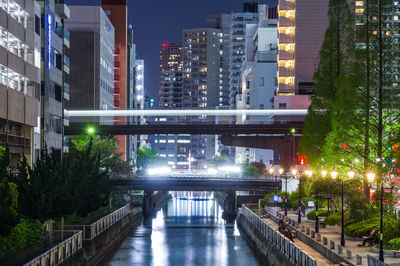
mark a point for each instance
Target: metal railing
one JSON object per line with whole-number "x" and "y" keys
{"x": 59, "y": 253}
{"x": 96, "y": 228}
{"x": 288, "y": 248}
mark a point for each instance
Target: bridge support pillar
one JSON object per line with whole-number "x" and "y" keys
{"x": 229, "y": 213}
{"x": 148, "y": 208}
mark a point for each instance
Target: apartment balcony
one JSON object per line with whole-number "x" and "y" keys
{"x": 66, "y": 121}
{"x": 62, "y": 10}
{"x": 64, "y": 33}
{"x": 287, "y": 5}
{"x": 283, "y": 71}
{"x": 116, "y": 64}
{"x": 286, "y": 21}
{"x": 117, "y": 78}
{"x": 14, "y": 141}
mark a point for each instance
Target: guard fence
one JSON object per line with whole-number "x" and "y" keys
{"x": 288, "y": 248}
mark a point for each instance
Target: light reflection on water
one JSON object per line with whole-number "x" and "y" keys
{"x": 189, "y": 230}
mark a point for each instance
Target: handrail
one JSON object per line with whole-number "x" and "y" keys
{"x": 59, "y": 253}
{"x": 96, "y": 228}
{"x": 288, "y": 248}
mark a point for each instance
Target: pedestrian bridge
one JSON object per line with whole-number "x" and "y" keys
{"x": 198, "y": 183}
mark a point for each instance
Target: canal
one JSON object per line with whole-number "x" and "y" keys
{"x": 189, "y": 230}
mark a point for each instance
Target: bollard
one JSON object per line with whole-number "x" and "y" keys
{"x": 302, "y": 228}
{"x": 331, "y": 244}
{"x": 325, "y": 240}
{"x": 340, "y": 249}
{"x": 348, "y": 254}
{"x": 312, "y": 234}
{"x": 307, "y": 230}
{"x": 318, "y": 237}
{"x": 358, "y": 259}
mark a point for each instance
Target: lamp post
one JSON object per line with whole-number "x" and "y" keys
{"x": 309, "y": 174}
{"x": 294, "y": 173}
{"x": 334, "y": 174}
{"x": 371, "y": 177}
{"x": 280, "y": 177}
{"x": 271, "y": 173}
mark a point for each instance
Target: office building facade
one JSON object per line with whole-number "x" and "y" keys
{"x": 20, "y": 62}
{"x": 92, "y": 51}
{"x": 117, "y": 13}
{"x": 55, "y": 68}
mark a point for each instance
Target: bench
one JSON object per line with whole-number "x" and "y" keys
{"x": 371, "y": 239}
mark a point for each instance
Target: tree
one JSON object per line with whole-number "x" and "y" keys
{"x": 107, "y": 148}
{"x": 250, "y": 171}
{"x": 147, "y": 157}
{"x": 261, "y": 168}
{"x": 8, "y": 195}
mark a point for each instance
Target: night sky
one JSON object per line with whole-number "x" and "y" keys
{"x": 158, "y": 21}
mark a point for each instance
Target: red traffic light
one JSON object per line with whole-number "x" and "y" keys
{"x": 344, "y": 146}
{"x": 302, "y": 160}
{"x": 395, "y": 147}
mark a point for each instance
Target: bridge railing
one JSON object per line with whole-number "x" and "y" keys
{"x": 96, "y": 228}
{"x": 59, "y": 253}
{"x": 288, "y": 248}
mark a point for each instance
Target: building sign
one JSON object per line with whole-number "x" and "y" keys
{"x": 49, "y": 22}
{"x": 275, "y": 198}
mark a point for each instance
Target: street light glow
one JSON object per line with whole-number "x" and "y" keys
{"x": 334, "y": 173}
{"x": 309, "y": 173}
{"x": 229, "y": 169}
{"x": 350, "y": 173}
{"x": 324, "y": 173}
{"x": 294, "y": 171}
{"x": 158, "y": 171}
{"x": 271, "y": 170}
{"x": 370, "y": 176}
{"x": 281, "y": 171}
{"x": 90, "y": 130}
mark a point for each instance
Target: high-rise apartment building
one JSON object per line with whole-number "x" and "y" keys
{"x": 117, "y": 12}
{"x": 249, "y": 15}
{"x": 258, "y": 75}
{"x": 91, "y": 78}
{"x": 55, "y": 67}
{"x": 170, "y": 90}
{"x": 302, "y": 26}
{"x": 205, "y": 79}
{"x": 20, "y": 60}
{"x": 132, "y": 140}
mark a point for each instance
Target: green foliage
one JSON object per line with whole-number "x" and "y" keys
{"x": 362, "y": 228}
{"x": 28, "y": 232}
{"x": 147, "y": 157}
{"x": 333, "y": 218}
{"x": 250, "y": 171}
{"x": 8, "y": 195}
{"x": 394, "y": 244}
{"x": 107, "y": 149}
{"x": 321, "y": 212}
{"x": 262, "y": 170}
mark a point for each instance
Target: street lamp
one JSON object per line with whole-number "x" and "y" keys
{"x": 334, "y": 175}
{"x": 280, "y": 176}
{"x": 294, "y": 173}
{"x": 309, "y": 174}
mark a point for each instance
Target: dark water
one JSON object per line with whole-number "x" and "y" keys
{"x": 189, "y": 230}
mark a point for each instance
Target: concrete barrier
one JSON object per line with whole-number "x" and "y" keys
{"x": 331, "y": 244}
{"x": 358, "y": 259}
{"x": 325, "y": 240}
{"x": 318, "y": 237}
{"x": 340, "y": 249}
{"x": 348, "y": 254}
{"x": 312, "y": 234}
{"x": 307, "y": 231}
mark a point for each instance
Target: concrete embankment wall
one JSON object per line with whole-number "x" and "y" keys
{"x": 266, "y": 252}
{"x": 95, "y": 250}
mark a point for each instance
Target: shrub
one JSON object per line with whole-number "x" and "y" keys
{"x": 391, "y": 228}
{"x": 27, "y": 233}
{"x": 394, "y": 244}
{"x": 333, "y": 218}
{"x": 321, "y": 212}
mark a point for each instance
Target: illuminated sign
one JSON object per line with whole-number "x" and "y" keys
{"x": 49, "y": 22}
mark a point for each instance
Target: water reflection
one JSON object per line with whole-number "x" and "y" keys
{"x": 189, "y": 230}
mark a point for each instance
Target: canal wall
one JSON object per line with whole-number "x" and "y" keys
{"x": 93, "y": 251}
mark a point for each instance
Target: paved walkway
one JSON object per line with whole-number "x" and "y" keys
{"x": 333, "y": 233}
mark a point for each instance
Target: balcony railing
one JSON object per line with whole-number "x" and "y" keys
{"x": 63, "y": 33}
{"x": 16, "y": 141}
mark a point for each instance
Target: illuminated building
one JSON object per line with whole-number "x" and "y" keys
{"x": 301, "y": 27}
{"x": 20, "y": 60}
{"x": 55, "y": 68}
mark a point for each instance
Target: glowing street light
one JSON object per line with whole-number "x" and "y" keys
{"x": 324, "y": 173}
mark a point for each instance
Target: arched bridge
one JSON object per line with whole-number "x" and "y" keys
{"x": 176, "y": 183}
